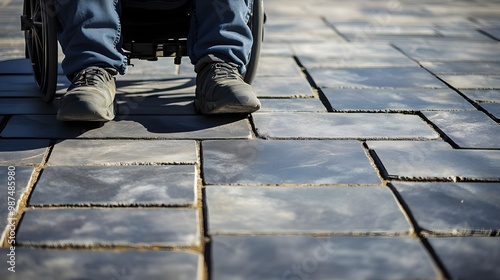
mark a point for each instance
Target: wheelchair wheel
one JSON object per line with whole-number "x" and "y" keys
{"x": 39, "y": 23}
{"x": 256, "y": 24}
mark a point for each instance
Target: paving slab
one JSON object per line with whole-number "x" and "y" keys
{"x": 395, "y": 100}
{"x": 362, "y": 28}
{"x": 341, "y": 126}
{"x": 355, "y": 62}
{"x": 292, "y": 105}
{"x": 27, "y": 106}
{"x": 388, "y": 77}
{"x": 482, "y": 95}
{"x": 287, "y": 67}
{"x": 331, "y": 257}
{"x": 286, "y": 162}
{"x": 469, "y": 33}
{"x": 463, "y": 51}
{"x": 303, "y": 36}
{"x": 469, "y": 257}
{"x": 282, "y": 87}
{"x": 493, "y": 32}
{"x": 106, "y": 227}
{"x": 21, "y": 177}
{"x": 164, "y": 66}
{"x": 173, "y": 185}
{"x": 24, "y": 86}
{"x": 85, "y": 264}
{"x": 453, "y": 208}
{"x": 472, "y": 81}
{"x": 22, "y": 152}
{"x": 123, "y": 152}
{"x": 168, "y": 103}
{"x": 131, "y": 126}
{"x": 251, "y": 210}
{"x": 472, "y": 129}
{"x": 431, "y": 160}
{"x": 276, "y": 49}
{"x": 460, "y": 67}
{"x": 345, "y": 50}
{"x": 493, "y": 109}
{"x": 141, "y": 85}
{"x": 19, "y": 66}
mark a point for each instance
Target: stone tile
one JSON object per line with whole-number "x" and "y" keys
{"x": 493, "y": 32}
{"x": 407, "y": 30}
{"x": 345, "y": 50}
{"x": 158, "y": 104}
{"x": 435, "y": 160}
{"x": 282, "y": 87}
{"x": 452, "y": 52}
{"x": 21, "y": 178}
{"x": 86, "y": 264}
{"x": 164, "y": 67}
{"x": 460, "y": 67}
{"x": 355, "y": 62}
{"x": 26, "y": 106}
{"x": 173, "y": 185}
{"x": 469, "y": 257}
{"x": 94, "y": 227}
{"x": 482, "y": 95}
{"x": 22, "y": 151}
{"x": 341, "y": 126}
{"x": 467, "y": 129}
{"x": 142, "y": 85}
{"x": 123, "y": 152}
{"x": 416, "y": 40}
{"x": 308, "y": 257}
{"x": 390, "y": 77}
{"x": 17, "y": 66}
{"x": 18, "y": 86}
{"x": 463, "y": 32}
{"x": 303, "y": 36}
{"x": 275, "y": 49}
{"x": 24, "y": 85}
{"x": 472, "y": 81}
{"x": 286, "y": 162}
{"x": 252, "y": 210}
{"x": 142, "y": 127}
{"x": 292, "y": 105}
{"x": 395, "y": 99}
{"x": 287, "y": 67}
{"x": 453, "y": 207}
{"x": 295, "y": 24}
{"x": 492, "y": 108}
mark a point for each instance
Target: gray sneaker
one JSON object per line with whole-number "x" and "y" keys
{"x": 221, "y": 89}
{"x": 90, "y": 96}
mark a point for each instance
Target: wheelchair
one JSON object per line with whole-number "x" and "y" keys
{"x": 141, "y": 39}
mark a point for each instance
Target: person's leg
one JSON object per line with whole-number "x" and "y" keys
{"x": 220, "y": 28}
{"x": 90, "y": 35}
{"x": 91, "y": 41}
{"x": 219, "y": 45}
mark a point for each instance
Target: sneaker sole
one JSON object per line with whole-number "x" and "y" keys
{"x": 229, "y": 105}
{"x": 86, "y": 112}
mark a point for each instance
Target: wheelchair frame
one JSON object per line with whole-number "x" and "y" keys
{"x": 40, "y": 25}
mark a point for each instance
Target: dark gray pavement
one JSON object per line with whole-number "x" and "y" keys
{"x": 376, "y": 155}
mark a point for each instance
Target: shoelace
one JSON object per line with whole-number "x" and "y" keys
{"x": 90, "y": 77}
{"x": 225, "y": 70}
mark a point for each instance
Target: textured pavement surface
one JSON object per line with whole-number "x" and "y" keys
{"x": 376, "y": 155}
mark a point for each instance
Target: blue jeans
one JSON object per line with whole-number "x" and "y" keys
{"x": 90, "y": 33}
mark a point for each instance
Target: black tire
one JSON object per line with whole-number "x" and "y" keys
{"x": 256, "y": 24}
{"x": 40, "y": 31}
